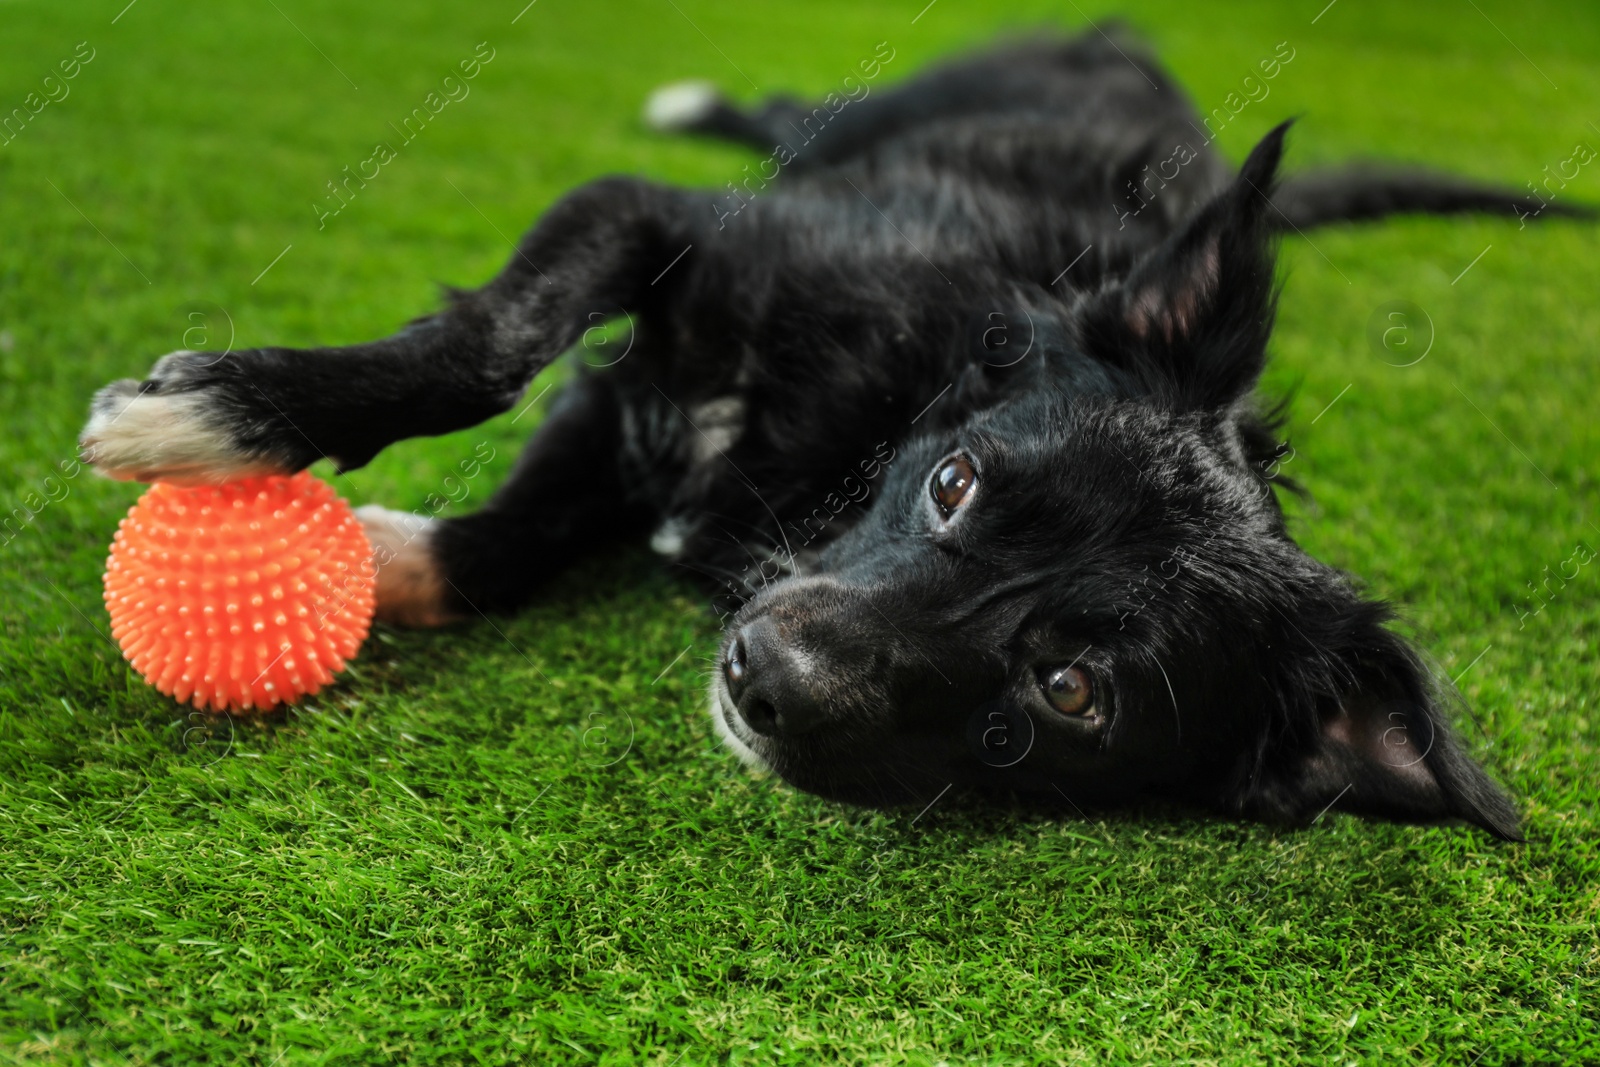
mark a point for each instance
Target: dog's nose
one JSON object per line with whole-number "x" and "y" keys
{"x": 771, "y": 682}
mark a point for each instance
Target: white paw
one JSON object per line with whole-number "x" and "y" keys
{"x": 139, "y": 431}
{"x": 412, "y": 590}
{"x": 680, "y": 105}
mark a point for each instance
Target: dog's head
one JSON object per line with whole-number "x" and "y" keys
{"x": 1097, "y": 596}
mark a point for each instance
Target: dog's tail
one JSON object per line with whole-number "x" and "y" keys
{"x": 1365, "y": 192}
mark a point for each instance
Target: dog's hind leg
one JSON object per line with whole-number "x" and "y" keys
{"x": 201, "y": 418}
{"x": 1051, "y": 78}
{"x": 698, "y": 107}
{"x": 564, "y": 497}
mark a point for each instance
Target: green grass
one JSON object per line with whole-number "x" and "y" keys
{"x": 518, "y": 841}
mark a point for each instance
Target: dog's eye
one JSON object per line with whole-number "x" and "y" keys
{"x": 952, "y": 484}
{"x": 1070, "y": 690}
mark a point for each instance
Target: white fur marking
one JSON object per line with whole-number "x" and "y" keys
{"x": 411, "y": 587}
{"x": 668, "y": 538}
{"x": 720, "y": 424}
{"x": 150, "y": 435}
{"x": 680, "y": 105}
{"x": 719, "y": 723}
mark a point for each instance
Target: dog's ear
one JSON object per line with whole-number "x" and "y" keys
{"x": 1193, "y": 315}
{"x": 1380, "y": 745}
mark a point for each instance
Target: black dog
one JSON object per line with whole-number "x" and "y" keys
{"x": 956, "y": 414}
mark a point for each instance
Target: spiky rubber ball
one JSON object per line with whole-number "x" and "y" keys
{"x": 240, "y": 596}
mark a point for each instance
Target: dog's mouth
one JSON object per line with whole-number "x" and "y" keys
{"x": 843, "y": 779}
{"x": 731, "y": 728}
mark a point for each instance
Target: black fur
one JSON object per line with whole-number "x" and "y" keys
{"x": 947, "y": 268}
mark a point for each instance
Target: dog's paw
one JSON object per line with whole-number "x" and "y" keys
{"x": 412, "y": 590}
{"x": 681, "y": 105}
{"x": 173, "y": 426}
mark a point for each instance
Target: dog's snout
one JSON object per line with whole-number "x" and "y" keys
{"x": 774, "y": 684}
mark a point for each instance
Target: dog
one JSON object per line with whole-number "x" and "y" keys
{"x": 955, "y": 413}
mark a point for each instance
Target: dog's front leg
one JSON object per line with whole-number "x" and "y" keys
{"x": 201, "y": 418}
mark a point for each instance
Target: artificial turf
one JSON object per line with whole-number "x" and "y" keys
{"x": 517, "y": 840}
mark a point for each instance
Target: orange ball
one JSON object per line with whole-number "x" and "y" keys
{"x": 243, "y": 595}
